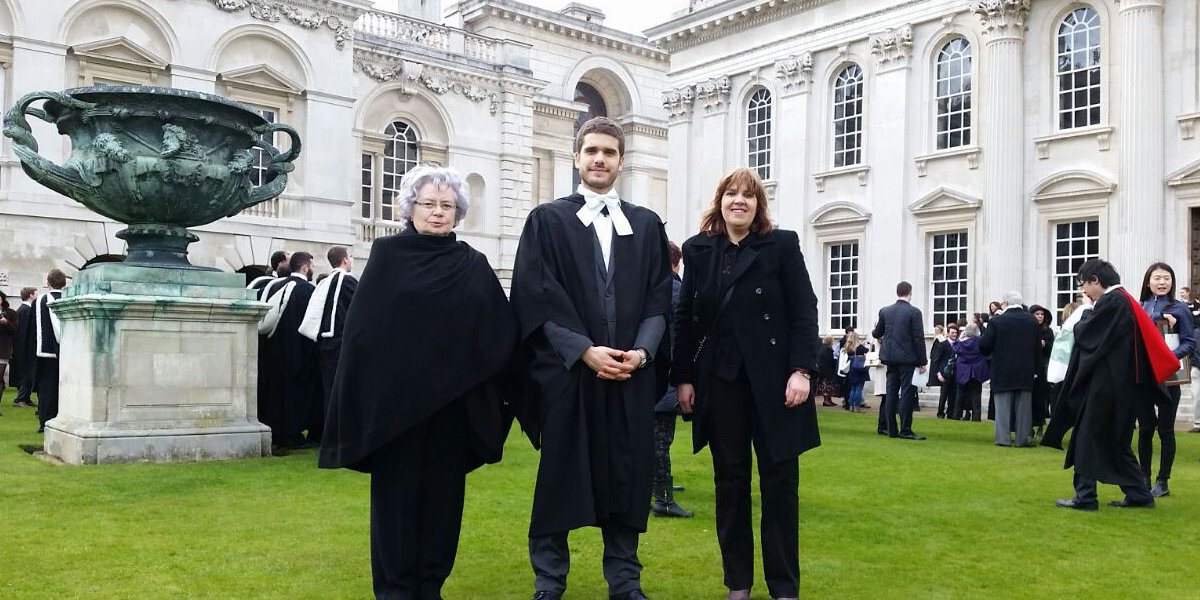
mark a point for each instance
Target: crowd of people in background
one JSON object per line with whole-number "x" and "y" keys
{"x": 29, "y": 339}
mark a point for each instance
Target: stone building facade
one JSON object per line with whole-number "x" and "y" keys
{"x": 967, "y": 147}
{"x": 495, "y": 93}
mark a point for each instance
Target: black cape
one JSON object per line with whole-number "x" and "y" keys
{"x": 300, "y": 386}
{"x": 429, "y": 324}
{"x": 596, "y": 437}
{"x": 270, "y": 366}
{"x": 1108, "y": 371}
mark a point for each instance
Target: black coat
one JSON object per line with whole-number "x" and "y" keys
{"x": 428, "y": 325}
{"x": 1108, "y": 372}
{"x": 1013, "y": 342}
{"x": 596, "y": 436}
{"x": 901, "y": 334}
{"x": 774, "y": 316}
{"x": 23, "y": 357}
{"x": 939, "y": 354}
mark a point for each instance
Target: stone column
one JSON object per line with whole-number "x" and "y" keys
{"x": 516, "y": 174}
{"x": 680, "y": 187}
{"x": 710, "y": 161}
{"x": 1003, "y": 143}
{"x": 1138, "y": 222}
{"x": 889, "y": 239}
{"x": 794, "y": 74}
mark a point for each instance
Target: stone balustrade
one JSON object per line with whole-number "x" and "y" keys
{"x": 368, "y": 230}
{"x": 401, "y": 28}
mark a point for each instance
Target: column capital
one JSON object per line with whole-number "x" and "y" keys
{"x": 893, "y": 47}
{"x": 1128, "y": 5}
{"x": 713, "y": 93}
{"x": 1002, "y": 18}
{"x": 795, "y": 72}
{"x": 678, "y": 103}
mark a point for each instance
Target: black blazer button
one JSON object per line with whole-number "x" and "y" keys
{"x": 695, "y": 319}
{"x": 766, "y": 316}
{"x": 772, "y": 341}
{"x": 758, "y": 291}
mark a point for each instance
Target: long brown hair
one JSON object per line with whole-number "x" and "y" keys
{"x": 712, "y": 223}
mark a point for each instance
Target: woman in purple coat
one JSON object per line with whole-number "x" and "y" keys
{"x": 970, "y": 371}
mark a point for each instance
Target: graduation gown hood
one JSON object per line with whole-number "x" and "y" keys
{"x": 429, "y": 324}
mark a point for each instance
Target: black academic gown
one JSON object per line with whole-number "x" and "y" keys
{"x": 270, "y": 369}
{"x": 429, "y": 324}
{"x": 301, "y": 382}
{"x": 596, "y": 436}
{"x": 1108, "y": 371}
{"x": 23, "y": 357}
{"x": 333, "y": 320}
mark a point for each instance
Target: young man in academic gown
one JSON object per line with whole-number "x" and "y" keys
{"x": 1118, "y": 357}
{"x": 47, "y": 338}
{"x": 299, "y": 387}
{"x": 327, "y": 313}
{"x": 592, "y": 292}
{"x": 24, "y": 345}
{"x": 270, "y": 361}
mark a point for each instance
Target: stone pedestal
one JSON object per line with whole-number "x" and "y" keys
{"x": 157, "y": 365}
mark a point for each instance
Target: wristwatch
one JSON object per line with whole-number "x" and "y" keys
{"x": 803, "y": 373}
{"x": 645, "y": 357}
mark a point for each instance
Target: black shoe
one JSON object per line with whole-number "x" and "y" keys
{"x": 547, "y": 595}
{"x": 1127, "y": 504}
{"x": 1076, "y": 504}
{"x": 677, "y": 488}
{"x": 633, "y": 595}
{"x": 671, "y": 509}
{"x": 41, "y": 430}
{"x": 864, "y": 406}
{"x": 1160, "y": 489}
{"x": 881, "y": 432}
{"x": 911, "y": 436}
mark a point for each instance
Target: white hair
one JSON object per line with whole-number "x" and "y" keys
{"x": 970, "y": 330}
{"x": 418, "y": 176}
{"x": 1013, "y": 298}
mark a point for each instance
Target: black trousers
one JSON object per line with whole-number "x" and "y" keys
{"x": 1157, "y": 415}
{"x": 550, "y": 557}
{"x": 664, "y": 436}
{"x": 24, "y": 381}
{"x": 733, "y": 428}
{"x": 969, "y": 399}
{"x": 328, "y": 351}
{"x": 899, "y": 399}
{"x": 47, "y": 386}
{"x": 418, "y": 482}
{"x": 946, "y": 395}
{"x": 1085, "y": 491}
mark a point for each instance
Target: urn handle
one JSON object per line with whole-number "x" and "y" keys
{"x": 16, "y": 127}
{"x": 279, "y": 165}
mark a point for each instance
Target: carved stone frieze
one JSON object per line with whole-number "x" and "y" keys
{"x": 1002, "y": 17}
{"x": 795, "y": 72}
{"x": 274, "y": 11}
{"x": 893, "y": 47}
{"x": 713, "y": 93}
{"x": 678, "y": 102}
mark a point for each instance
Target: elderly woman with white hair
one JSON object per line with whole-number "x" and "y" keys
{"x": 971, "y": 369}
{"x": 417, "y": 395}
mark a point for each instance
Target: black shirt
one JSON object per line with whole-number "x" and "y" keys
{"x": 729, "y": 356}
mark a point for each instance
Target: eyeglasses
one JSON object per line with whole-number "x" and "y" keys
{"x": 429, "y": 206}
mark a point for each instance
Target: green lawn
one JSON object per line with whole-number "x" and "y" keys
{"x": 951, "y": 517}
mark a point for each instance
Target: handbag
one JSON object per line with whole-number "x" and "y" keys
{"x": 844, "y": 362}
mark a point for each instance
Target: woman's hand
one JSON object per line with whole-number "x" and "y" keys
{"x": 685, "y": 393}
{"x": 797, "y": 390}
{"x": 1170, "y": 319}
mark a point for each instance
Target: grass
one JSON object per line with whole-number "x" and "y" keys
{"x": 951, "y": 517}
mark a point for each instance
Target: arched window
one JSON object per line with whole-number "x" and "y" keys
{"x": 597, "y": 107}
{"x": 953, "y": 94}
{"x": 1079, "y": 69}
{"x": 758, "y": 133}
{"x": 400, "y": 154}
{"x": 847, "y": 117}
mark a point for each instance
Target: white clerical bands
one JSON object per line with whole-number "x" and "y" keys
{"x": 595, "y": 203}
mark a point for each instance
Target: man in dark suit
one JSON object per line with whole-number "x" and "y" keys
{"x": 24, "y": 357}
{"x": 902, "y": 349}
{"x": 1011, "y": 340}
{"x": 47, "y": 337}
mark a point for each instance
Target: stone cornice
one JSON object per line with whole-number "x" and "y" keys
{"x": 1002, "y": 18}
{"x": 795, "y": 72}
{"x": 723, "y": 18}
{"x": 553, "y": 22}
{"x": 335, "y": 15}
{"x": 438, "y": 80}
{"x": 893, "y": 47}
{"x": 639, "y": 126}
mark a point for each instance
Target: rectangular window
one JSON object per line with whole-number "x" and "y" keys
{"x": 948, "y": 277}
{"x": 1074, "y": 243}
{"x": 258, "y": 166}
{"x": 843, "y": 286}
{"x": 367, "y": 189}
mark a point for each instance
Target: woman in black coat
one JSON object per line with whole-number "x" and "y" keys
{"x": 1041, "y": 387}
{"x": 745, "y": 354}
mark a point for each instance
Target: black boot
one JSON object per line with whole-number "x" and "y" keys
{"x": 1160, "y": 489}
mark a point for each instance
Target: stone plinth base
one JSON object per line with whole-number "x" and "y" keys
{"x": 157, "y": 365}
